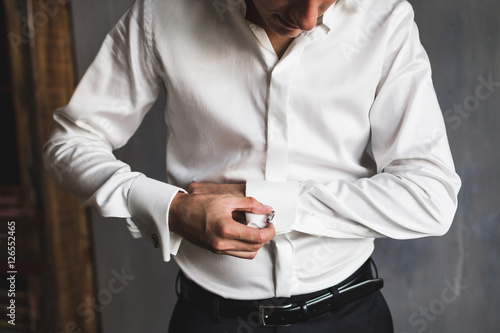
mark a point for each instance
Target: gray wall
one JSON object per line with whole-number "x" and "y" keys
{"x": 446, "y": 284}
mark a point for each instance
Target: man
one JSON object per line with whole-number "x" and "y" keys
{"x": 317, "y": 115}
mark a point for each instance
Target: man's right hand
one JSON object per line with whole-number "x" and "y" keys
{"x": 207, "y": 221}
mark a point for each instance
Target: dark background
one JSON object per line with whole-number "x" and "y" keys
{"x": 445, "y": 284}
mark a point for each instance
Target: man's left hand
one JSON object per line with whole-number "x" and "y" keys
{"x": 237, "y": 190}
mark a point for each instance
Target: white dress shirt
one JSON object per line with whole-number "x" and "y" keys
{"x": 343, "y": 136}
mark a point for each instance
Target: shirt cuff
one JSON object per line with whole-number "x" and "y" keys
{"x": 281, "y": 195}
{"x": 149, "y": 203}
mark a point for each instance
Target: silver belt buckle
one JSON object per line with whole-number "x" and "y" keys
{"x": 263, "y": 315}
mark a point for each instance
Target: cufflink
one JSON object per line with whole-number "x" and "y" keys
{"x": 270, "y": 217}
{"x": 154, "y": 237}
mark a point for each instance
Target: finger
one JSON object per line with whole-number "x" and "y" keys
{"x": 240, "y": 249}
{"x": 242, "y": 255}
{"x": 245, "y": 250}
{"x": 195, "y": 188}
{"x": 231, "y": 245}
{"x": 190, "y": 188}
{"x": 248, "y": 204}
{"x": 244, "y": 233}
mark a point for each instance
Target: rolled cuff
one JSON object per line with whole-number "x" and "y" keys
{"x": 149, "y": 203}
{"x": 282, "y": 196}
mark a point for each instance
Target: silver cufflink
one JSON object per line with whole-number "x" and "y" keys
{"x": 270, "y": 217}
{"x": 154, "y": 237}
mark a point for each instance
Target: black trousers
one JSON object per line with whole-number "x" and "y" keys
{"x": 367, "y": 315}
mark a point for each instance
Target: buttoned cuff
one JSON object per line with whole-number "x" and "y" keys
{"x": 281, "y": 195}
{"x": 149, "y": 203}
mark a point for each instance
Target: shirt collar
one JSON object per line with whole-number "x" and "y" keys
{"x": 242, "y": 7}
{"x": 327, "y": 17}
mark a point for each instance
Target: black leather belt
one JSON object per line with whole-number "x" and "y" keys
{"x": 284, "y": 311}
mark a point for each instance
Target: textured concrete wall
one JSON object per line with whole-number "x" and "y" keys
{"x": 446, "y": 284}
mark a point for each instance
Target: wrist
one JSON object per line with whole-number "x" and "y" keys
{"x": 174, "y": 213}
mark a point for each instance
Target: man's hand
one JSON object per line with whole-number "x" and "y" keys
{"x": 205, "y": 218}
{"x": 237, "y": 190}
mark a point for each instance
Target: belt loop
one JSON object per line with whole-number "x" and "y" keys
{"x": 335, "y": 292}
{"x": 216, "y": 318}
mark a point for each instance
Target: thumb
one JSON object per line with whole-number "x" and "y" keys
{"x": 249, "y": 204}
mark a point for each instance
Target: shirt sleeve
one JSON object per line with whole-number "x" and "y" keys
{"x": 107, "y": 107}
{"x": 414, "y": 191}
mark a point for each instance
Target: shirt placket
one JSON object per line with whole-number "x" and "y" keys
{"x": 277, "y": 157}
{"x": 281, "y": 75}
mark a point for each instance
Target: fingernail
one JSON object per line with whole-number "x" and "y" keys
{"x": 268, "y": 207}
